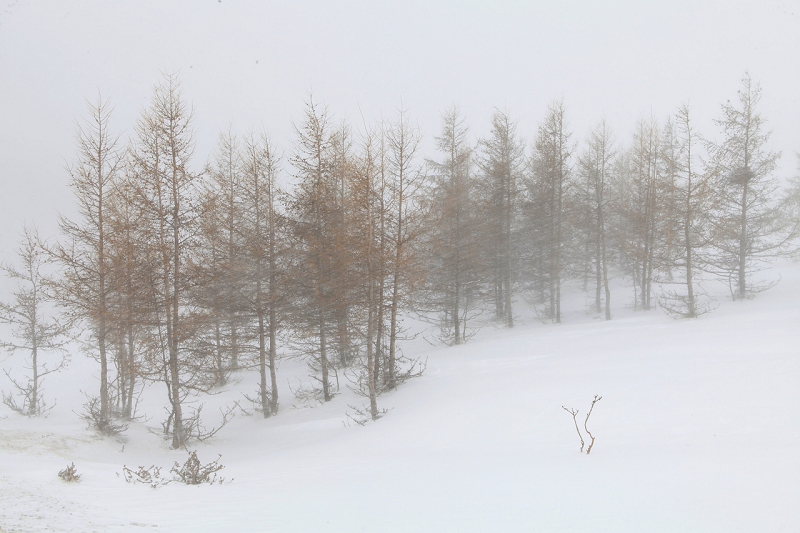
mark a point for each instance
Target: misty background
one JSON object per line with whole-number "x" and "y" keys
{"x": 251, "y": 65}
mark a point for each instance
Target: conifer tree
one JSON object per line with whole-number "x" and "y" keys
{"x": 640, "y": 208}
{"x": 131, "y": 296}
{"x": 85, "y": 285}
{"x": 220, "y": 255}
{"x": 167, "y": 192}
{"x": 365, "y": 220}
{"x": 454, "y": 272}
{"x": 406, "y": 223}
{"x": 748, "y": 227}
{"x": 551, "y": 181}
{"x": 311, "y": 209}
{"x": 692, "y": 195}
{"x": 264, "y": 235}
{"x": 593, "y": 190}
{"x": 500, "y": 161}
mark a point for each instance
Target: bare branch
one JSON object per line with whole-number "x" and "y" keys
{"x": 596, "y": 399}
{"x": 574, "y": 413}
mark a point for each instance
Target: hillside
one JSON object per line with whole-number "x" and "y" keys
{"x": 696, "y": 431}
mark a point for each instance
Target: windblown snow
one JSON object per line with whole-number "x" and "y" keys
{"x": 696, "y": 432}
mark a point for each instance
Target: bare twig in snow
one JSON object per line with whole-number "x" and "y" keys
{"x": 596, "y": 399}
{"x": 574, "y": 413}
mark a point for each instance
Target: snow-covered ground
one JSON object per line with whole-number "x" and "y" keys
{"x": 697, "y": 431}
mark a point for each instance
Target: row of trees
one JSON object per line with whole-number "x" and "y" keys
{"x": 184, "y": 276}
{"x": 669, "y": 207}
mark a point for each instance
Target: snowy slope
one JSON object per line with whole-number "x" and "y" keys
{"x": 697, "y": 431}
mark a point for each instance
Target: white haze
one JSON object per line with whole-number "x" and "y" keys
{"x": 697, "y": 429}
{"x": 252, "y": 64}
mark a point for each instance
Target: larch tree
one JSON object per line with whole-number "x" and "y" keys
{"x": 342, "y": 234}
{"x": 551, "y": 181}
{"x": 500, "y": 159}
{"x": 36, "y": 331}
{"x": 166, "y": 190}
{"x": 210, "y": 293}
{"x": 406, "y": 180}
{"x": 226, "y": 178}
{"x": 692, "y": 193}
{"x": 640, "y": 209}
{"x": 376, "y": 146}
{"x": 364, "y": 203}
{"x": 264, "y": 236}
{"x": 454, "y": 271}
{"x": 593, "y": 191}
{"x": 131, "y": 297}
{"x": 85, "y": 283}
{"x": 311, "y": 209}
{"x": 220, "y": 263}
{"x": 748, "y": 227}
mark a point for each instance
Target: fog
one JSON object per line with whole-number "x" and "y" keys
{"x": 251, "y": 65}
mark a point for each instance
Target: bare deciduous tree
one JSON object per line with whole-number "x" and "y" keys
{"x": 551, "y": 180}
{"x": 693, "y": 200}
{"x": 454, "y": 272}
{"x": 85, "y": 286}
{"x": 500, "y": 160}
{"x": 641, "y": 210}
{"x": 311, "y": 209}
{"x": 574, "y": 414}
{"x": 748, "y": 227}
{"x": 405, "y": 183}
{"x": 37, "y": 333}
{"x": 593, "y": 191}
{"x": 264, "y": 232}
{"x": 167, "y": 191}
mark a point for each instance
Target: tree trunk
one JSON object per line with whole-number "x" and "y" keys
{"x": 273, "y": 319}
{"x": 323, "y": 357}
{"x": 742, "y": 271}
{"x": 266, "y": 409}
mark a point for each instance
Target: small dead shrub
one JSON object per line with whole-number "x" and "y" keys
{"x": 102, "y": 424}
{"x": 148, "y": 476}
{"x": 193, "y": 472}
{"x": 69, "y": 474}
{"x": 362, "y": 415}
{"x": 574, "y": 413}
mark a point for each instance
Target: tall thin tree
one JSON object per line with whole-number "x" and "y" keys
{"x": 454, "y": 271}
{"x": 167, "y": 189}
{"x": 551, "y": 180}
{"x": 264, "y": 241}
{"x": 406, "y": 181}
{"x": 311, "y": 209}
{"x": 500, "y": 160}
{"x": 749, "y": 230}
{"x": 593, "y": 191}
{"x": 35, "y": 330}
{"x": 693, "y": 202}
{"x": 85, "y": 285}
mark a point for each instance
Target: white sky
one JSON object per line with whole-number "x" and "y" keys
{"x": 252, "y": 64}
